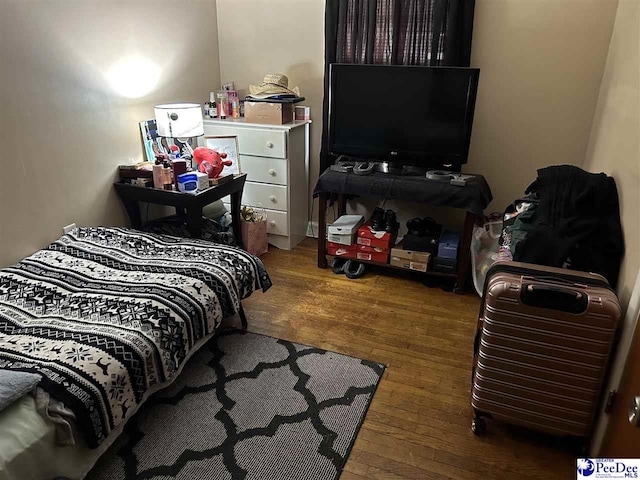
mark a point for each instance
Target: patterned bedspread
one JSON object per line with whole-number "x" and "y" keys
{"x": 105, "y": 314}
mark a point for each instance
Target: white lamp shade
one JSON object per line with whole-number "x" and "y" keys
{"x": 179, "y": 120}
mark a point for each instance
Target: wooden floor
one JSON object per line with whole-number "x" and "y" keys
{"x": 418, "y": 425}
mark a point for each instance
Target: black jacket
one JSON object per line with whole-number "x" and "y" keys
{"x": 578, "y": 222}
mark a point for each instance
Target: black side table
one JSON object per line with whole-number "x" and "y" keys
{"x": 185, "y": 203}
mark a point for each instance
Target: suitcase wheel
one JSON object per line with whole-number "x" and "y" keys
{"x": 478, "y": 425}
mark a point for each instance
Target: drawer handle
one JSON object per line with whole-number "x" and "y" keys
{"x": 273, "y": 223}
{"x": 273, "y": 198}
{"x": 269, "y": 144}
{"x": 272, "y": 172}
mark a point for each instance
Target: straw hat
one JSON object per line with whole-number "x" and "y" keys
{"x": 273, "y": 84}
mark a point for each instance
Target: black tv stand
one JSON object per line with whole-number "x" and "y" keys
{"x": 473, "y": 198}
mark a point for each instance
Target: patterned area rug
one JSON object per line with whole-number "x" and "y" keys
{"x": 248, "y": 406}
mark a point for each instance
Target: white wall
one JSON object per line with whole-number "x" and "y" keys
{"x": 614, "y": 145}
{"x": 541, "y": 63}
{"x": 276, "y": 36}
{"x": 64, "y": 128}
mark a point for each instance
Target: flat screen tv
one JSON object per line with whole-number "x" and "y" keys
{"x": 410, "y": 115}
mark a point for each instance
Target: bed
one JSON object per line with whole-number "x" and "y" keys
{"x": 105, "y": 317}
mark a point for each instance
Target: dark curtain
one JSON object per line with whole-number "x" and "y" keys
{"x": 397, "y": 32}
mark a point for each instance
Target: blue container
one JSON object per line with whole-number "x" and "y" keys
{"x": 188, "y": 182}
{"x": 448, "y": 245}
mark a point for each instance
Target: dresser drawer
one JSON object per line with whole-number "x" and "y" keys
{"x": 264, "y": 169}
{"x": 254, "y": 141}
{"x": 269, "y": 196}
{"x": 277, "y": 222}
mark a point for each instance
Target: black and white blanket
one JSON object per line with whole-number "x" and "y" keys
{"x": 105, "y": 314}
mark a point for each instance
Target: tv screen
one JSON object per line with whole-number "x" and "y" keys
{"x": 408, "y": 114}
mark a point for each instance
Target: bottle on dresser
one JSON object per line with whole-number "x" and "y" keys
{"x": 210, "y": 107}
{"x": 223, "y": 104}
{"x": 158, "y": 179}
{"x": 167, "y": 181}
{"x": 213, "y": 106}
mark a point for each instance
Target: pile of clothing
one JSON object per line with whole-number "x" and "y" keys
{"x": 570, "y": 218}
{"x": 175, "y": 226}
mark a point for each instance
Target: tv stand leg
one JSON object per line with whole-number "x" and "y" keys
{"x": 342, "y": 204}
{"x": 322, "y": 230}
{"x": 464, "y": 254}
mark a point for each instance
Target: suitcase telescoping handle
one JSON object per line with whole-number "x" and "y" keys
{"x": 554, "y": 297}
{"x": 554, "y": 280}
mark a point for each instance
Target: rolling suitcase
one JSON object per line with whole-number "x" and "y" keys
{"x": 542, "y": 348}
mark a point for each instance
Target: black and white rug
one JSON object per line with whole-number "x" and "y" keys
{"x": 248, "y": 406}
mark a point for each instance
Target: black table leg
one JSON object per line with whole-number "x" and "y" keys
{"x": 194, "y": 220}
{"x": 133, "y": 210}
{"x": 342, "y": 204}
{"x": 322, "y": 230}
{"x": 236, "y": 198}
{"x": 464, "y": 256}
{"x": 243, "y": 317}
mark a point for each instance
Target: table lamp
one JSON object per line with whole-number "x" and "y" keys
{"x": 180, "y": 121}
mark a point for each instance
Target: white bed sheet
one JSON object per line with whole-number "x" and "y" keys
{"x": 28, "y": 448}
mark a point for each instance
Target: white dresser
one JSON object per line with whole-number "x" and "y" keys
{"x": 276, "y": 161}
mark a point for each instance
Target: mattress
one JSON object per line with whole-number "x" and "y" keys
{"x": 106, "y": 317}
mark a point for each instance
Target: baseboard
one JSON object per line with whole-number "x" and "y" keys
{"x": 312, "y": 230}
